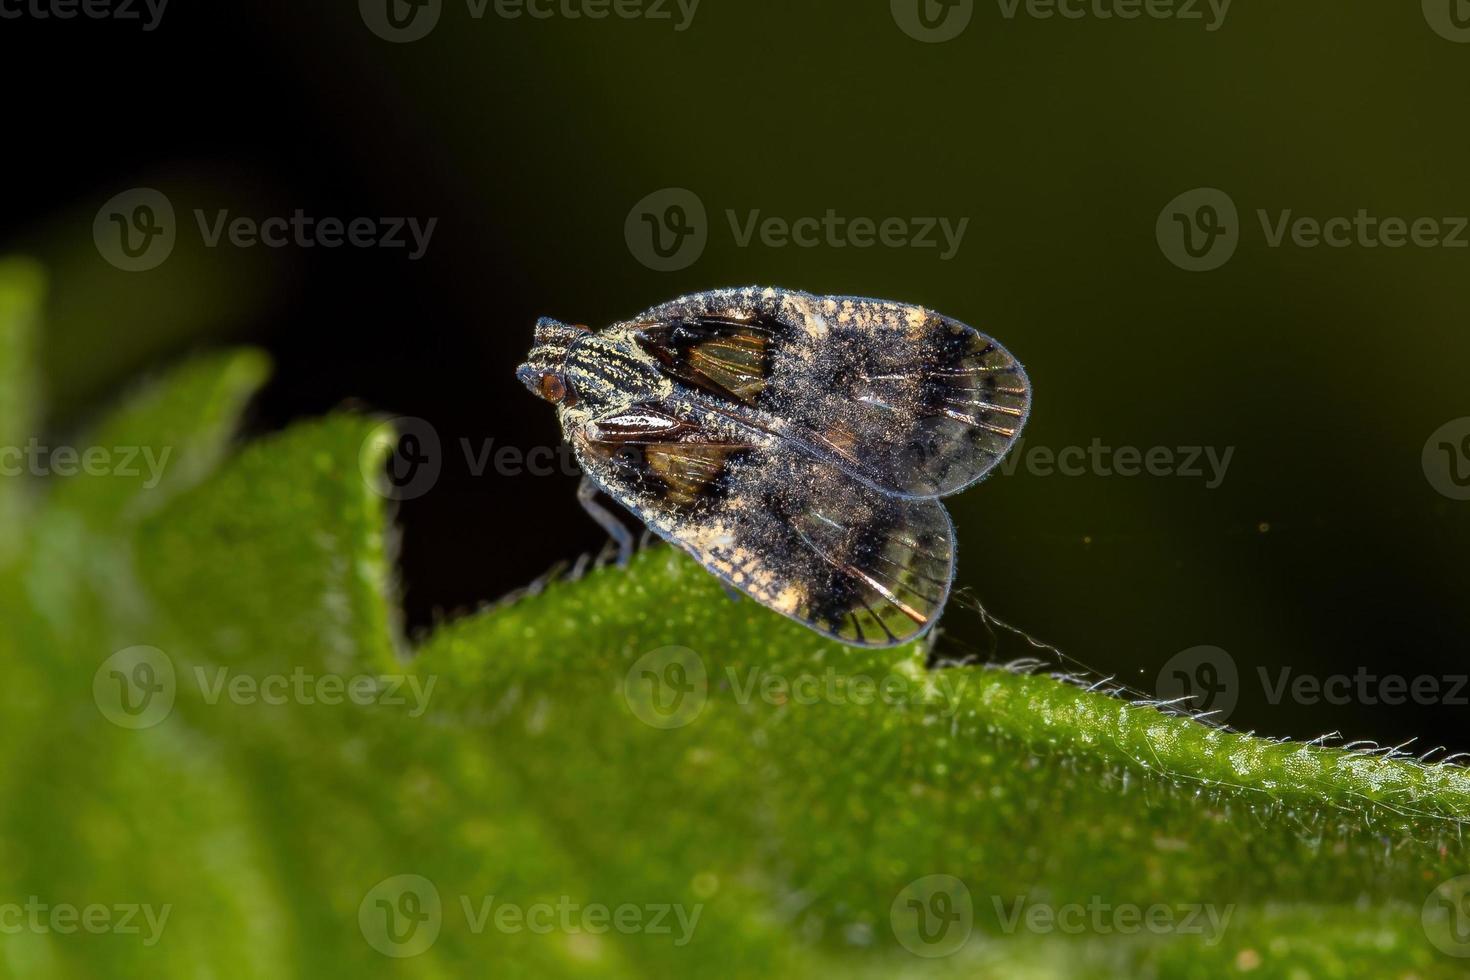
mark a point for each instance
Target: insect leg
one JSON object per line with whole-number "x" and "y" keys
{"x": 587, "y": 497}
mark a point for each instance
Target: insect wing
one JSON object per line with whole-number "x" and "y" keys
{"x": 793, "y": 532}
{"x": 909, "y": 401}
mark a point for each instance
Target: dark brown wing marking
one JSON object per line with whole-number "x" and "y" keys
{"x": 689, "y": 470}
{"x": 720, "y": 355}
{"x": 659, "y": 456}
{"x": 795, "y": 533}
{"x": 907, "y": 400}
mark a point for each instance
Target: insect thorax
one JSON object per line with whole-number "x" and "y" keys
{"x": 610, "y": 370}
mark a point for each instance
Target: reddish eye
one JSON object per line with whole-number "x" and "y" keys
{"x": 553, "y": 389}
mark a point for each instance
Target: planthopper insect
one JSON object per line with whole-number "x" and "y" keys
{"x": 796, "y": 445}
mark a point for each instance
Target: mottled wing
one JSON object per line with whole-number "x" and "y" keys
{"x": 730, "y": 357}
{"x": 907, "y": 400}
{"x": 793, "y": 532}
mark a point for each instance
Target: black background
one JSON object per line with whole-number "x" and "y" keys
{"x": 1325, "y": 551}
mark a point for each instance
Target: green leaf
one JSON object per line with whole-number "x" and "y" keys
{"x": 631, "y": 742}
{"x": 188, "y": 423}
{"x": 21, "y": 288}
{"x": 97, "y": 814}
{"x": 163, "y": 439}
{"x": 306, "y": 582}
{"x": 820, "y": 801}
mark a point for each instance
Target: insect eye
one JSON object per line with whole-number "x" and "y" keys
{"x": 554, "y": 389}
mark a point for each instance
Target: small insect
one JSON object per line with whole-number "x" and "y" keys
{"x": 796, "y": 445}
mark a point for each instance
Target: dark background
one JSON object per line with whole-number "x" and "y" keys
{"x": 1326, "y": 550}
